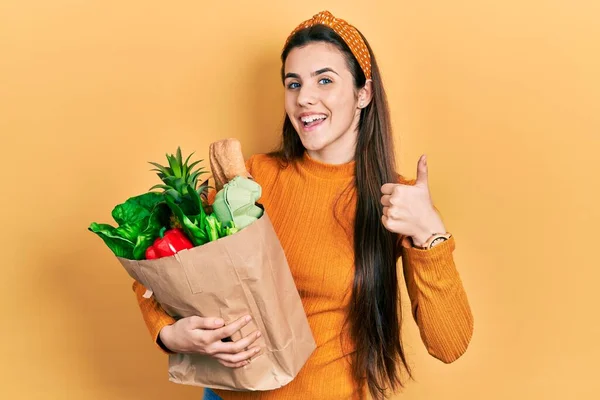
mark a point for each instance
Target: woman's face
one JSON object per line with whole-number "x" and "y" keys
{"x": 322, "y": 102}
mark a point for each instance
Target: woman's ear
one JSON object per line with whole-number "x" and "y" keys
{"x": 365, "y": 94}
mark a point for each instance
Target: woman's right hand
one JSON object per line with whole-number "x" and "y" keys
{"x": 203, "y": 335}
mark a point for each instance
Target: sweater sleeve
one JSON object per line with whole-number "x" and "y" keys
{"x": 153, "y": 314}
{"x": 438, "y": 300}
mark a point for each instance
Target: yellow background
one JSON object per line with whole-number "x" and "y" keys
{"x": 502, "y": 96}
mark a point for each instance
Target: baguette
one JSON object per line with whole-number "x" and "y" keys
{"x": 226, "y": 161}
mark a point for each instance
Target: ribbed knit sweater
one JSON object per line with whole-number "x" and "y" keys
{"x": 312, "y": 207}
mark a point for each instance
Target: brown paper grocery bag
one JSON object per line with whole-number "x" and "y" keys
{"x": 246, "y": 273}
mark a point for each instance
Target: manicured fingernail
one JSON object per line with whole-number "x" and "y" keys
{"x": 257, "y": 350}
{"x": 218, "y": 322}
{"x": 258, "y": 334}
{"x": 248, "y": 318}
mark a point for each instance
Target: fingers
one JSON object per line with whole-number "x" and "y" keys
{"x": 237, "y": 360}
{"x": 386, "y": 222}
{"x": 236, "y": 365}
{"x": 393, "y": 213}
{"x": 196, "y": 322}
{"x": 238, "y": 346}
{"x": 391, "y": 190}
{"x": 395, "y": 196}
{"x": 388, "y": 188}
{"x": 385, "y": 200}
{"x": 394, "y": 199}
{"x": 230, "y": 329}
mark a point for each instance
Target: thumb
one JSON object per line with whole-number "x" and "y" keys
{"x": 422, "y": 171}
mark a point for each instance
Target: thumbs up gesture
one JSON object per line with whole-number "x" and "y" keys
{"x": 408, "y": 209}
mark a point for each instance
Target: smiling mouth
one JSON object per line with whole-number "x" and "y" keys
{"x": 307, "y": 122}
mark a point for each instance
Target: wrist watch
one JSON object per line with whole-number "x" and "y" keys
{"x": 434, "y": 240}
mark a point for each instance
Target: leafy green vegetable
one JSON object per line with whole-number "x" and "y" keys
{"x": 120, "y": 246}
{"x": 212, "y": 227}
{"x": 139, "y": 220}
{"x": 150, "y": 229}
{"x": 229, "y": 230}
{"x": 136, "y": 208}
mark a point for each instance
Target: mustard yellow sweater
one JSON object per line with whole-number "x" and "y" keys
{"x": 300, "y": 200}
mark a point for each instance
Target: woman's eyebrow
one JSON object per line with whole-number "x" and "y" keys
{"x": 317, "y": 72}
{"x": 322, "y": 71}
{"x": 291, "y": 75}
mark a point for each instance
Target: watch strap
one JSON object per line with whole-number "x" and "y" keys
{"x": 434, "y": 240}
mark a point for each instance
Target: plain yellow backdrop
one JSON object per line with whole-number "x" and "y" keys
{"x": 502, "y": 96}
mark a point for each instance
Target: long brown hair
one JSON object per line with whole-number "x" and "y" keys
{"x": 375, "y": 312}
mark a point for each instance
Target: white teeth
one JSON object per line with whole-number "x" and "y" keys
{"x": 312, "y": 118}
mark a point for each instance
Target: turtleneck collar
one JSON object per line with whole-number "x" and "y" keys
{"x": 327, "y": 171}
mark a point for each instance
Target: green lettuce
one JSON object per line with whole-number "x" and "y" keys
{"x": 139, "y": 221}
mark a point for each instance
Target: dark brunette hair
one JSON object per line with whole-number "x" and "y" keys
{"x": 375, "y": 312}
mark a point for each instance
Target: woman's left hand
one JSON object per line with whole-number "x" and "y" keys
{"x": 408, "y": 209}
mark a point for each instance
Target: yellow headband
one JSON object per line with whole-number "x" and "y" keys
{"x": 347, "y": 32}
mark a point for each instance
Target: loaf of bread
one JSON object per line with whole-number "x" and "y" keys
{"x": 226, "y": 161}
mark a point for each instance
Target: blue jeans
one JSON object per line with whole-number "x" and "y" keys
{"x": 210, "y": 395}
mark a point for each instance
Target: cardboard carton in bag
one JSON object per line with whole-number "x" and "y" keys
{"x": 246, "y": 273}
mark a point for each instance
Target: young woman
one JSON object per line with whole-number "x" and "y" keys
{"x": 344, "y": 217}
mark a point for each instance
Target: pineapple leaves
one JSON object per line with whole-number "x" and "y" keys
{"x": 192, "y": 225}
{"x": 183, "y": 198}
{"x": 178, "y": 173}
{"x": 165, "y": 187}
{"x": 188, "y": 159}
{"x": 162, "y": 170}
{"x": 195, "y": 198}
{"x": 195, "y": 176}
{"x": 173, "y": 194}
{"x": 179, "y": 160}
{"x": 174, "y": 182}
{"x": 192, "y": 165}
{"x": 175, "y": 166}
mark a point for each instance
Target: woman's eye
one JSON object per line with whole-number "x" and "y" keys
{"x": 293, "y": 85}
{"x": 325, "y": 81}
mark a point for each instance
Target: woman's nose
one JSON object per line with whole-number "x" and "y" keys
{"x": 306, "y": 96}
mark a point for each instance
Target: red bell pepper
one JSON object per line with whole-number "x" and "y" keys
{"x": 168, "y": 244}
